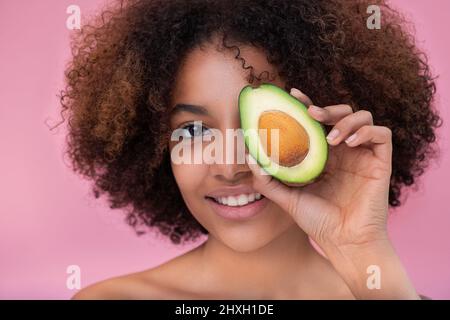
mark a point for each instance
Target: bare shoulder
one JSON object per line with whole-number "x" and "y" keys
{"x": 165, "y": 281}
{"x": 131, "y": 286}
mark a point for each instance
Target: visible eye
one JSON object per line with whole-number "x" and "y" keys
{"x": 194, "y": 129}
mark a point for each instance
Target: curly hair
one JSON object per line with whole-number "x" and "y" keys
{"x": 120, "y": 77}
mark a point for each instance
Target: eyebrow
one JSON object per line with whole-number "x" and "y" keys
{"x": 192, "y": 108}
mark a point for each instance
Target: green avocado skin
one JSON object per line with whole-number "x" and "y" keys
{"x": 252, "y": 102}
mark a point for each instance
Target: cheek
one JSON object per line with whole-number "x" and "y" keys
{"x": 190, "y": 178}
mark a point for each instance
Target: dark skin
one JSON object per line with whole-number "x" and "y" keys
{"x": 270, "y": 257}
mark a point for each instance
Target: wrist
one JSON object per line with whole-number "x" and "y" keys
{"x": 371, "y": 269}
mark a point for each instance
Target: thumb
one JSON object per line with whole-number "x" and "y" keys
{"x": 268, "y": 186}
{"x": 308, "y": 210}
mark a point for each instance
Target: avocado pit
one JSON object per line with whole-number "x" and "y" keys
{"x": 293, "y": 138}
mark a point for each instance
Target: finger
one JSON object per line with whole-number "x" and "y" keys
{"x": 301, "y": 96}
{"x": 267, "y": 185}
{"x": 378, "y": 138}
{"x": 330, "y": 115}
{"x": 349, "y": 125}
{"x": 307, "y": 209}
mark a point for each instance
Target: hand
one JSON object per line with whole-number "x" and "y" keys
{"x": 348, "y": 203}
{"x": 345, "y": 209}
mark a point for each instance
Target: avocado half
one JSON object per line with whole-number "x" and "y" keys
{"x": 302, "y": 150}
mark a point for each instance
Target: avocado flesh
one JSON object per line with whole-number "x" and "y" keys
{"x": 255, "y": 103}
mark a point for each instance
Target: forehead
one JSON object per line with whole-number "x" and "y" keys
{"x": 207, "y": 73}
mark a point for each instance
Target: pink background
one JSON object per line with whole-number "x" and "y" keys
{"x": 48, "y": 220}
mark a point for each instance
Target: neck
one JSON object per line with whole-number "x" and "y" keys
{"x": 268, "y": 272}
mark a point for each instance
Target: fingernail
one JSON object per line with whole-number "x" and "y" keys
{"x": 333, "y": 134}
{"x": 295, "y": 91}
{"x": 351, "y": 138}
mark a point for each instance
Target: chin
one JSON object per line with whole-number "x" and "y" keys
{"x": 251, "y": 237}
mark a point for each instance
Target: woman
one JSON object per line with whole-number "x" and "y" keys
{"x": 147, "y": 68}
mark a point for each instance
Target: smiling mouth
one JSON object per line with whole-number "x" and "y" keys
{"x": 238, "y": 200}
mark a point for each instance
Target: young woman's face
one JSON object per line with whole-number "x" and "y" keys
{"x": 212, "y": 81}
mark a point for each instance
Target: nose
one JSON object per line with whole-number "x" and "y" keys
{"x": 233, "y": 169}
{"x": 231, "y": 173}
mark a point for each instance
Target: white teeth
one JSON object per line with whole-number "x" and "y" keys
{"x": 232, "y": 201}
{"x": 242, "y": 199}
{"x": 239, "y": 200}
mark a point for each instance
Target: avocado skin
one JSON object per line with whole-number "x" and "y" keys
{"x": 304, "y": 173}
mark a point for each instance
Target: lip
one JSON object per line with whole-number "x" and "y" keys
{"x": 231, "y": 191}
{"x": 238, "y": 213}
